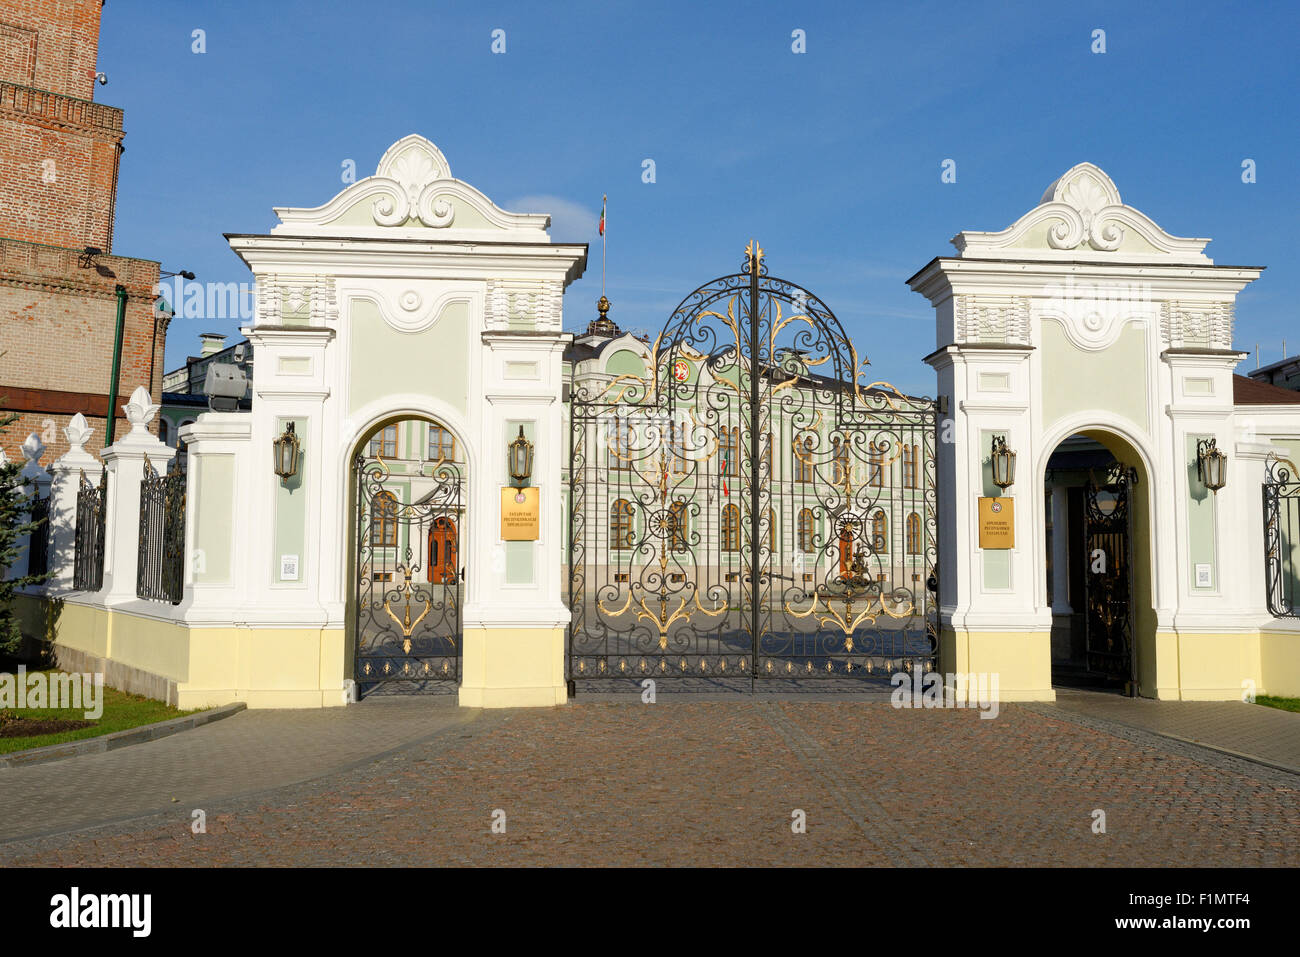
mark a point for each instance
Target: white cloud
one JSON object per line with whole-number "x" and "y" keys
{"x": 570, "y": 222}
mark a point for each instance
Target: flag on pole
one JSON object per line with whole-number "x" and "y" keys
{"x": 603, "y": 200}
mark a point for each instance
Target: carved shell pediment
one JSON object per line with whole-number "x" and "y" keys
{"x": 1081, "y": 216}
{"x": 412, "y": 188}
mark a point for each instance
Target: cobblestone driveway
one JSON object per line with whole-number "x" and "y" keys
{"x": 716, "y": 782}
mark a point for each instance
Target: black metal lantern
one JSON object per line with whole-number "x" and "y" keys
{"x": 519, "y": 454}
{"x": 1211, "y": 465}
{"x": 1004, "y": 464}
{"x": 285, "y": 450}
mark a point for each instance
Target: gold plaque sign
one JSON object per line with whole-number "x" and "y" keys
{"x": 520, "y": 508}
{"x": 997, "y": 523}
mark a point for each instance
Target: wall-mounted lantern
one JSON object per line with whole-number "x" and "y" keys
{"x": 1211, "y": 465}
{"x": 1004, "y": 464}
{"x": 519, "y": 455}
{"x": 285, "y": 450}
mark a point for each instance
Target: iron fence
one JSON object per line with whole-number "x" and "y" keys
{"x": 1282, "y": 539}
{"x": 160, "y": 569}
{"x": 88, "y": 547}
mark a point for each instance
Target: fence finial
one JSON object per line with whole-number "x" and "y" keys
{"x": 78, "y": 433}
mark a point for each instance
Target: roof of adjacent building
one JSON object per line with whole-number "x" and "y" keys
{"x": 1251, "y": 392}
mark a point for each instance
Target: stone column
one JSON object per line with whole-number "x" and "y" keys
{"x": 36, "y": 483}
{"x": 124, "y": 460}
{"x": 65, "y": 482}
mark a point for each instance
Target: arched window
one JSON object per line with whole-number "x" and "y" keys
{"x": 913, "y": 534}
{"x": 442, "y": 444}
{"x": 879, "y": 532}
{"x": 805, "y": 530}
{"x": 678, "y": 512}
{"x": 620, "y": 525}
{"x": 731, "y": 529}
{"x": 876, "y": 463}
{"x": 383, "y": 520}
{"x": 803, "y": 466}
{"x": 384, "y": 443}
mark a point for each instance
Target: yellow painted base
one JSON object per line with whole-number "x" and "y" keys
{"x": 513, "y": 668}
{"x": 1021, "y": 660}
{"x": 198, "y": 667}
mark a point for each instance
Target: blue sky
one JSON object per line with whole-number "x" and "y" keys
{"x": 832, "y": 158}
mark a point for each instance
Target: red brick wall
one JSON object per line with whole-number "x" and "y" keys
{"x": 59, "y": 155}
{"x": 57, "y": 323}
{"x": 59, "y": 152}
{"x": 50, "y": 45}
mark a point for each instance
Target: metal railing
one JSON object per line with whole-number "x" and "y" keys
{"x": 88, "y": 548}
{"x": 160, "y": 570}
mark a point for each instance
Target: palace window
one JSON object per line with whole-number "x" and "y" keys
{"x": 729, "y": 440}
{"x": 677, "y": 446}
{"x": 731, "y": 529}
{"x": 678, "y": 513}
{"x": 620, "y": 525}
{"x": 840, "y": 465}
{"x": 620, "y": 445}
{"x": 806, "y": 530}
{"x": 876, "y": 462}
{"x": 913, "y": 534}
{"x": 383, "y": 520}
{"x": 384, "y": 443}
{"x": 442, "y": 444}
{"x": 879, "y": 532}
{"x": 803, "y": 465}
{"x": 911, "y": 465}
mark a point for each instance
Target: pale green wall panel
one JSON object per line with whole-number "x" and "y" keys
{"x": 1114, "y": 379}
{"x": 212, "y": 526}
{"x": 433, "y": 362}
{"x": 291, "y": 504}
{"x": 1200, "y": 520}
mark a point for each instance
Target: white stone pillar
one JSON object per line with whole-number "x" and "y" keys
{"x": 124, "y": 460}
{"x": 65, "y": 483}
{"x": 1060, "y": 551}
{"x": 515, "y": 616}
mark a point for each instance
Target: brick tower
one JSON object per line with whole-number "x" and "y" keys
{"x": 59, "y": 280}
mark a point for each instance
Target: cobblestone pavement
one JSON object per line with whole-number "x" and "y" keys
{"x": 247, "y": 752}
{"x": 717, "y": 782}
{"x": 1269, "y": 734}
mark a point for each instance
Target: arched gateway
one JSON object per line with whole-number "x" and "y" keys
{"x": 1089, "y": 339}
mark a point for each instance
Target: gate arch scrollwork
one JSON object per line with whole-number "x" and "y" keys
{"x": 754, "y": 505}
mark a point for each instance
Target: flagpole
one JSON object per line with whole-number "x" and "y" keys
{"x": 604, "y": 242}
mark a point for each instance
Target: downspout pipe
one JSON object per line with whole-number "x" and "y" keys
{"x": 120, "y": 290}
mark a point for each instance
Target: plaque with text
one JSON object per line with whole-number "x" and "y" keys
{"x": 997, "y": 523}
{"x": 520, "y": 508}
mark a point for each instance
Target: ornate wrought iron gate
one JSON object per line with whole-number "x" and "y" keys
{"x": 751, "y": 507}
{"x": 1108, "y": 584}
{"x": 1282, "y": 538}
{"x": 408, "y": 625}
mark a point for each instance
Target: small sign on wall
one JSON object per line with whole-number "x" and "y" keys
{"x": 520, "y": 511}
{"x": 288, "y": 568}
{"x": 1204, "y": 577}
{"x": 997, "y": 523}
